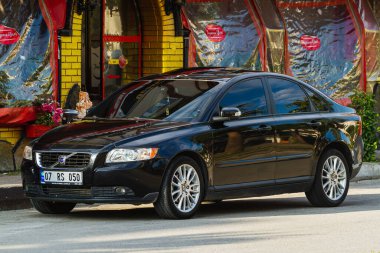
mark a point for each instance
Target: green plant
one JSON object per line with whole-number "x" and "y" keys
{"x": 364, "y": 105}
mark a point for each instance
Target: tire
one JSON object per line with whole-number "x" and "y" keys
{"x": 47, "y": 207}
{"x": 180, "y": 198}
{"x": 331, "y": 182}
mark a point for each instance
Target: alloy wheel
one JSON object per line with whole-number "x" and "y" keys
{"x": 334, "y": 178}
{"x": 185, "y": 188}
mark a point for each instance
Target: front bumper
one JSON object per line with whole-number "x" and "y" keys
{"x": 140, "y": 181}
{"x": 86, "y": 195}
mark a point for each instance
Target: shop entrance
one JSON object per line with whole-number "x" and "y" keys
{"x": 112, "y": 46}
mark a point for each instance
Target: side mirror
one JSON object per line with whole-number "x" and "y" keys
{"x": 228, "y": 113}
{"x": 69, "y": 115}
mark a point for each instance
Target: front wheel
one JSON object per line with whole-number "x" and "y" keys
{"x": 182, "y": 190}
{"x": 331, "y": 180}
{"x": 49, "y": 207}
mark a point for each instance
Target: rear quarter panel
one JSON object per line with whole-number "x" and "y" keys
{"x": 340, "y": 128}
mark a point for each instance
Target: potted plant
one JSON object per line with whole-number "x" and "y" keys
{"x": 49, "y": 115}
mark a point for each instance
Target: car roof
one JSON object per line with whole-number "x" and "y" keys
{"x": 221, "y": 75}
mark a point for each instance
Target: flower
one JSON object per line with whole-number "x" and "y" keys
{"x": 56, "y": 118}
{"x": 49, "y": 112}
{"x": 59, "y": 111}
{"x": 47, "y": 107}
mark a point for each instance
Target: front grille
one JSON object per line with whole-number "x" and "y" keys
{"x": 73, "y": 160}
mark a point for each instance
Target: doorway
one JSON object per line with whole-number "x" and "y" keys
{"x": 112, "y": 46}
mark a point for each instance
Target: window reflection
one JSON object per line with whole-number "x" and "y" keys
{"x": 288, "y": 97}
{"x": 179, "y": 100}
{"x": 319, "y": 103}
{"x": 248, "y": 96}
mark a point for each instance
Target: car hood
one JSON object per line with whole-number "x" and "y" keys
{"x": 96, "y": 134}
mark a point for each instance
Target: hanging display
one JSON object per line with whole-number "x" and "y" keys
{"x": 224, "y": 33}
{"x": 324, "y": 45}
{"x": 25, "y": 69}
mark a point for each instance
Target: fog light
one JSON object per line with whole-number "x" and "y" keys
{"x": 120, "y": 190}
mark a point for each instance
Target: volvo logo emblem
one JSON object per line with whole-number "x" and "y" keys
{"x": 62, "y": 159}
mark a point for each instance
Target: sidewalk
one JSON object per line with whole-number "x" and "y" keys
{"x": 12, "y": 196}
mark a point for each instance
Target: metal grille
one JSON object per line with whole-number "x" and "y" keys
{"x": 67, "y": 192}
{"x": 72, "y": 192}
{"x": 78, "y": 160}
{"x": 109, "y": 192}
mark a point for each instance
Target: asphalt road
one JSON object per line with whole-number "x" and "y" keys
{"x": 285, "y": 223}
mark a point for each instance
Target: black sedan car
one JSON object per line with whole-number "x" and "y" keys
{"x": 187, "y": 136}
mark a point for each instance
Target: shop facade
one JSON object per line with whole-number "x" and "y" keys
{"x": 48, "y": 46}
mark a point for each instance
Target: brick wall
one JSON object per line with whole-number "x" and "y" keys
{"x": 10, "y": 135}
{"x": 162, "y": 51}
{"x": 71, "y": 47}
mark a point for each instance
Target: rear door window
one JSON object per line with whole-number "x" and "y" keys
{"x": 288, "y": 97}
{"x": 320, "y": 104}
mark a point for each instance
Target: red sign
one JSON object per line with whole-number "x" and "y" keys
{"x": 122, "y": 61}
{"x": 310, "y": 43}
{"x": 114, "y": 76}
{"x": 215, "y": 33}
{"x": 8, "y": 35}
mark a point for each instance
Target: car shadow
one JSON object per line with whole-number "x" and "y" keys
{"x": 252, "y": 207}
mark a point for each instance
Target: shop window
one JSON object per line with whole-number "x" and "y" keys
{"x": 121, "y": 44}
{"x": 121, "y": 18}
{"x": 113, "y": 46}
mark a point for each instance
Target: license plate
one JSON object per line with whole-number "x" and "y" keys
{"x": 62, "y": 177}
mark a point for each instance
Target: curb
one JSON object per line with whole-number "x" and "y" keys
{"x": 12, "y": 198}
{"x": 368, "y": 171}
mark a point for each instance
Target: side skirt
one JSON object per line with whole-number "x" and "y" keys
{"x": 282, "y": 186}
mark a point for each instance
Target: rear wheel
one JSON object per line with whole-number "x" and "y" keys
{"x": 331, "y": 180}
{"x": 48, "y": 207}
{"x": 182, "y": 190}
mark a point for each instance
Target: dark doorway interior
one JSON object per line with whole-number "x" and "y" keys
{"x": 92, "y": 48}
{"x": 112, "y": 46}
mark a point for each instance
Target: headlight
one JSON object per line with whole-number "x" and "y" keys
{"x": 119, "y": 155}
{"x": 28, "y": 153}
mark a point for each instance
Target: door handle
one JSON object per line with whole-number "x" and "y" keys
{"x": 314, "y": 123}
{"x": 264, "y": 128}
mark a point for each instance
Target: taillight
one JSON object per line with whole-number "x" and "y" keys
{"x": 360, "y": 130}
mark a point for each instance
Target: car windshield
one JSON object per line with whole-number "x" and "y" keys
{"x": 174, "y": 100}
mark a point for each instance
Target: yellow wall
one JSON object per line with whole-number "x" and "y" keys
{"x": 71, "y": 58}
{"x": 162, "y": 51}
{"x": 10, "y": 135}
